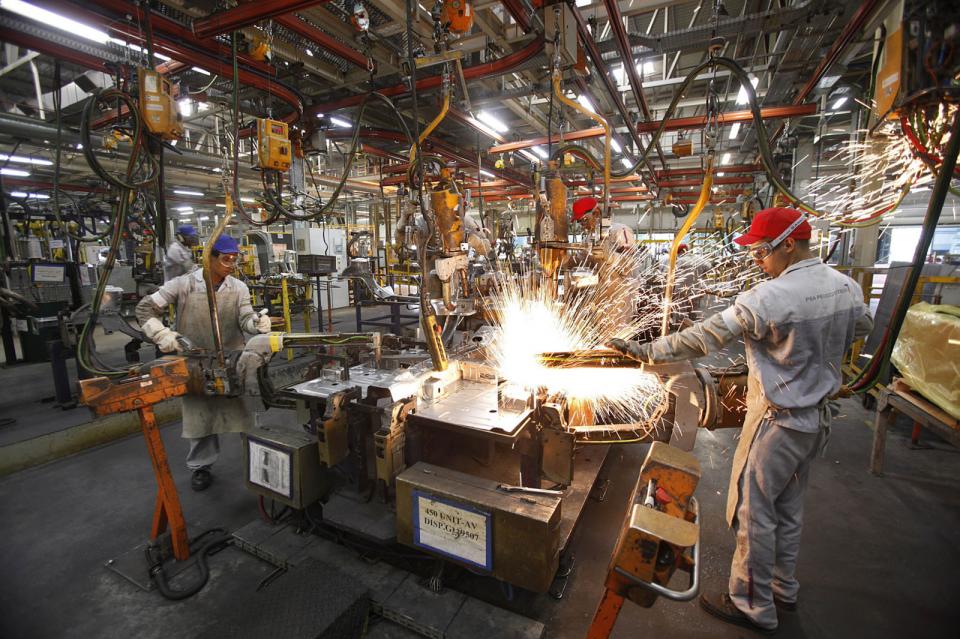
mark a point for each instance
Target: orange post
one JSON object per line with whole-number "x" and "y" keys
{"x": 167, "y": 510}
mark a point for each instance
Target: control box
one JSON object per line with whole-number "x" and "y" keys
{"x": 273, "y": 145}
{"x": 157, "y": 105}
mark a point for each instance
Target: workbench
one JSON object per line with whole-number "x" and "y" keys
{"x": 898, "y": 397}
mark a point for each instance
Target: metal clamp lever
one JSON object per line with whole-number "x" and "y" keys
{"x": 524, "y": 489}
{"x": 673, "y": 595}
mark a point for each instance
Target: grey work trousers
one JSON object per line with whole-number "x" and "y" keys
{"x": 204, "y": 451}
{"x": 769, "y": 519}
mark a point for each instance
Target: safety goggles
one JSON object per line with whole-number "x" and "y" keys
{"x": 228, "y": 259}
{"x": 764, "y": 249}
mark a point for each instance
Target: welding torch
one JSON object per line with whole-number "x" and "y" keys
{"x": 599, "y": 358}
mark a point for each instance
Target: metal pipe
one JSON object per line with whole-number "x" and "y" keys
{"x": 678, "y": 238}
{"x": 208, "y": 280}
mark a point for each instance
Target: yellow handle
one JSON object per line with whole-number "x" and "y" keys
{"x": 430, "y": 127}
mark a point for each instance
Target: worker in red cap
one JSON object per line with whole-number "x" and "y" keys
{"x": 583, "y": 213}
{"x": 796, "y": 328}
{"x": 204, "y": 418}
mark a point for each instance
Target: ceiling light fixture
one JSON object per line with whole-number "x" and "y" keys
{"x": 627, "y": 164}
{"x": 186, "y": 107}
{"x": 586, "y": 103}
{"x": 530, "y": 156}
{"x": 184, "y": 208}
{"x": 55, "y": 20}
{"x": 340, "y": 123}
{"x": 199, "y": 70}
{"x": 14, "y": 172}
{"x": 725, "y": 159}
{"x": 35, "y": 196}
{"x": 492, "y": 121}
{"x": 186, "y": 192}
{"x": 615, "y": 145}
{"x": 734, "y": 131}
{"x": 839, "y": 103}
{"x": 742, "y": 94}
{"x": 539, "y": 150}
{"x": 22, "y": 159}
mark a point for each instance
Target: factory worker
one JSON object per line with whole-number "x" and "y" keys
{"x": 797, "y": 327}
{"x": 179, "y": 257}
{"x": 204, "y": 418}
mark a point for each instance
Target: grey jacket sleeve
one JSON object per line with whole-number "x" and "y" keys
{"x": 707, "y": 336}
{"x": 153, "y": 305}
{"x": 864, "y": 324}
{"x": 246, "y": 314}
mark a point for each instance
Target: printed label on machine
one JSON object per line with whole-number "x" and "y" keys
{"x": 455, "y": 530}
{"x": 270, "y": 468}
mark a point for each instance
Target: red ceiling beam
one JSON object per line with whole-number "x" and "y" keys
{"x": 505, "y": 64}
{"x": 165, "y": 25}
{"x": 246, "y": 14}
{"x": 695, "y": 170}
{"x": 323, "y": 40}
{"x": 518, "y": 13}
{"x": 27, "y": 41}
{"x": 717, "y": 180}
{"x": 698, "y": 122}
{"x": 850, "y": 31}
{"x": 380, "y": 153}
{"x": 594, "y": 132}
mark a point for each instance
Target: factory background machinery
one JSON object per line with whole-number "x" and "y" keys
{"x": 513, "y": 184}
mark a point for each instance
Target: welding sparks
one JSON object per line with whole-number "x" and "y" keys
{"x": 536, "y": 318}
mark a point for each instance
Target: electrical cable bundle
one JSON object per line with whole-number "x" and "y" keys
{"x": 126, "y": 188}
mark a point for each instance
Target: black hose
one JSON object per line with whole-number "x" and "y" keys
{"x": 198, "y": 557}
{"x": 137, "y": 142}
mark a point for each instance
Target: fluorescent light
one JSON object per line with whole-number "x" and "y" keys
{"x": 14, "y": 172}
{"x": 586, "y": 103}
{"x": 530, "y": 156}
{"x": 186, "y": 107}
{"x": 221, "y": 206}
{"x": 492, "y": 121}
{"x": 22, "y": 159}
{"x": 35, "y": 196}
{"x": 55, "y": 20}
{"x": 583, "y": 3}
{"x": 319, "y": 115}
{"x": 721, "y": 174}
{"x": 734, "y": 131}
{"x": 247, "y": 199}
{"x": 138, "y": 49}
{"x": 203, "y": 218}
{"x": 487, "y": 173}
{"x": 203, "y": 106}
{"x": 308, "y": 52}
{"x": 839, "y": 103}
{"x": 616, "y": 145}
{"x": 626, "y": 163}
{"x": 646, "y": 68}
{"x": 79, "y": 147}
{"x": 217, "y": 169}
{"x": 725, "y": 159}
{"x": 199, "y": 70}
{"x": 341, "y": 123}
{"x": 742, "y": 94}
{"x": 186, "y": 192}
{"x": 186, "y": 213}
{"x": 539, "y": 150}
{"x": 620, "y": 75}
{"x": 184, "y": 208}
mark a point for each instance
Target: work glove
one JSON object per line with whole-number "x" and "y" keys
{"x": 632, "y": 349}
{"x": 263, "y": 323}
{"x": 165, "y": 339}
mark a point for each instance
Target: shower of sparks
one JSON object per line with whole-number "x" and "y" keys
{"x": 861, "y": 179}
{"x": 535, "y": 319}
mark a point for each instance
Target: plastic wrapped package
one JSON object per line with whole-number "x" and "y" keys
{"x": 927, "y": 353}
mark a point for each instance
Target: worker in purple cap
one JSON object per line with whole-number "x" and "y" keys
{"x": 179, "y": 257}
{"x": 204, "y": 418}
{"x": 796, "y": 328}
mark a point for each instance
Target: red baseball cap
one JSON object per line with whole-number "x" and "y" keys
{"x": 768, "y": 224}
{"x": 583, "y": 206}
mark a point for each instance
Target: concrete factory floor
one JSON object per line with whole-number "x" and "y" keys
{"x": 879, "y": 557}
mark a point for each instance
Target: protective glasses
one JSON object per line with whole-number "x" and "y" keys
{"x": 764, "y": 249}
{"x": 228, "y": 259}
